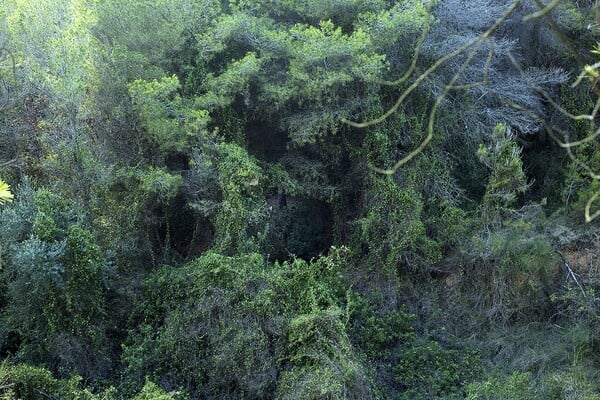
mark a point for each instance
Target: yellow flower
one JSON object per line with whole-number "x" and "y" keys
{"x": 5, "y": 194}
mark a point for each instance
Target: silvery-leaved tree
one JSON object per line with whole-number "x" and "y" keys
{"x": 481, "y": 64}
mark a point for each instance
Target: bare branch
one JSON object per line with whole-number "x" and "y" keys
{"x": 543, "y": 11}
{"x": 415, "y": 58}
{"x": 571, "y": 273}
{"x": 590, "y": 217}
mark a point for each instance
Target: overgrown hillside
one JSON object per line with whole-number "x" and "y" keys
{"x": 285, "y": 199}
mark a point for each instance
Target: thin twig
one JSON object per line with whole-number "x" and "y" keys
{"x": 571, "y": 273}
{"x": 418, "y": 46}
{"x": 543, "y": 11}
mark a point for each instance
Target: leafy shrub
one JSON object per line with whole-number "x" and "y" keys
{"x": 514, "y": 268}
{"x": 55, "y": 279}
{"x": 570, "y": 384}
{"x": 320, "y": 362}
{"x": 409, "y": 364}
{"x": 234, "y": 327}
{"x": 33, "y": 383}
{"x": 507, "y": 179}
{"x": 517, "y": 386}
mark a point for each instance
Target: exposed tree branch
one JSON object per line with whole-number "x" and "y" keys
{"x": 544, "y": 10}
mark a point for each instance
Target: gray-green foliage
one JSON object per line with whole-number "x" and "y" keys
{"x": 141, "y": 37}
{"x": 515, "y": 268}
{"x": 22, "y": 381}
{"x": 503, "y": 85}
{"x": 410, "y": 363}
{"x": 54, "y": 278}
{"x": 523, "y": 386}
{"x": 517, "y": 386}
{"x": 507, "y": 179}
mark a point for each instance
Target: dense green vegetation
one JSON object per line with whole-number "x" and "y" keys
{"x": 250, "y": 199}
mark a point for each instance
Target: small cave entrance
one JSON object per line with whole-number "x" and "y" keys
{"x": 10, "y": 345}
{"x": 300, "y": 227}
{"x": 186, "y": 234}
{"x": 190, "y": 235}
{"x": 177, "y": 162}
{"x": 544, "y": 163}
